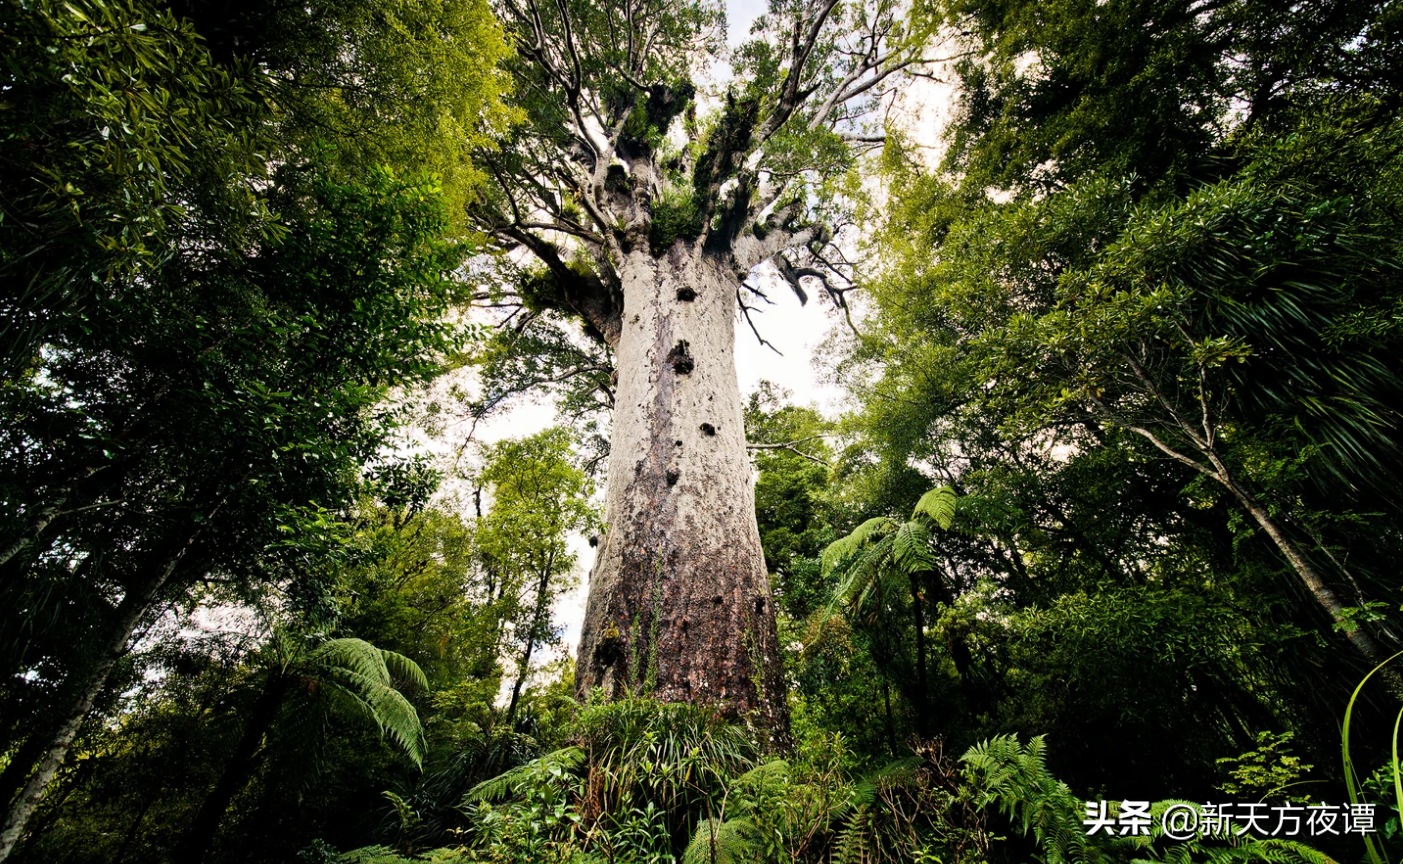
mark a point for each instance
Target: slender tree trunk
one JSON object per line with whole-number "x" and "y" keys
{"x": 891, "y": 724}
{"x": 35, "y": 527}
{"x": 81, "y": 696}
{"x": 1314, "y": 582}
{"x": 959, "y": 652}
{"x": 201, "y": 833}
{"x": 679, "y": 598}
{"x": 1323, "y": 594}
{"x": 922, "y": 697}
{"x": 537, "y": 621}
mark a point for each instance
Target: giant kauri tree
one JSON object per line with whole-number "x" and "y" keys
{"x": 645, "y": 209}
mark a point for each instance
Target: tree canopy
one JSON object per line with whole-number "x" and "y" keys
{"x": 1110, "y": 514}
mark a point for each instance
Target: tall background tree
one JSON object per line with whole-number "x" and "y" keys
{"x": 210, "y": 285}
{"x": 1124, "y": 314}
{"x": 539, "y": 500}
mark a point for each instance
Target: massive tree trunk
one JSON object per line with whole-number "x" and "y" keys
{"x": 679, "y": 602}
{"x": 647, "y": 241}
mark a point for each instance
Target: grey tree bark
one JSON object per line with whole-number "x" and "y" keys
{"x": 679, "y": 604}
{"x": 81, "y": 695}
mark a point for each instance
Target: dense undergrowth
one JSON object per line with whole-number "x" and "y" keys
{"x": 641, "y": 781}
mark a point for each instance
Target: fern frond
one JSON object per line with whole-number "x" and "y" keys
{"x": 356, "y": 656}
{"x": 404, "y": 671}
{"x": 730, "y": 842}
{"x": 763, "y": 778}
{"x": 386, "y": 708}
{"x": 509, "y": 783}
{"x": 846, "y": 547}
{"x": 911, "y": 548}
{"x": 358, "y": 671}
{"x": 938, "y": 505}
{"x": 851, "y": 844}
{"x": 864, "y": 577}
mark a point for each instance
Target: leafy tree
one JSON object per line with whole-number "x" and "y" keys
{"x": 793, "y": 507}
{"x": 539, "y": 499}
{"x": 882, "y": 557}
{"x": 422, "y": 590}
{"x": 1055, "y": 250}
{"x": 1269, "y": 268}
{"x": 197, "y": 348}
{"x": 206, "y": 439}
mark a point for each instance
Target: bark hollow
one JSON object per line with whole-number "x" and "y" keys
{"x": 679, "y": 602}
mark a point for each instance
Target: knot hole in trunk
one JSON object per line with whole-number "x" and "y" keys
{"x": 680, "y": 358}
{"x": 708, "y": 430}
{"x": 686, "y": 295}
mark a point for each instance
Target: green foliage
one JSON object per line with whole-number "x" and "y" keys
{"x": 213, "y": 281}
{"x": 1155, "y": 227}
{"x": 385, "y": 855}
{"x": 1265, "y": 772}
{"x": 905, "y": 544}
{"x": 539, "y": 498}
{"x": 413, "y": 84}
{"x": 675, "y": 216}
{"x": 369, "y": 678}
{"x": 1145, "y": 285}
{"x": 523, "y": 777}
{"x": 1014, "y": 776}
{"x": 722, "y": 842}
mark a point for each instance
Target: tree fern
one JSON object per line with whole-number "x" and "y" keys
{"x": 359, "y": 675}
{"x": 911, "y": 548}
{"x": 882, "y": 547}
{"x": 845, "y": 547}
{"x": 716, "y": 842}
{"x": 512, "y": 782}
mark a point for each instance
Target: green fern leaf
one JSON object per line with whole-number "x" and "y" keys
{"x": 845, "y": 547}
{"x": 938, "y": 505}
{"x": 730, "y": 842}
{"x": 911, "y": 548}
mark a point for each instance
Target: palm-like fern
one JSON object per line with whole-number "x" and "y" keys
{"x": 366, "y": 682}
{"x": 882, "y": 548}
{"x": 882, "y": 557}
{"x": 912, "y": 549}
{"x": 303, "y": 683}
